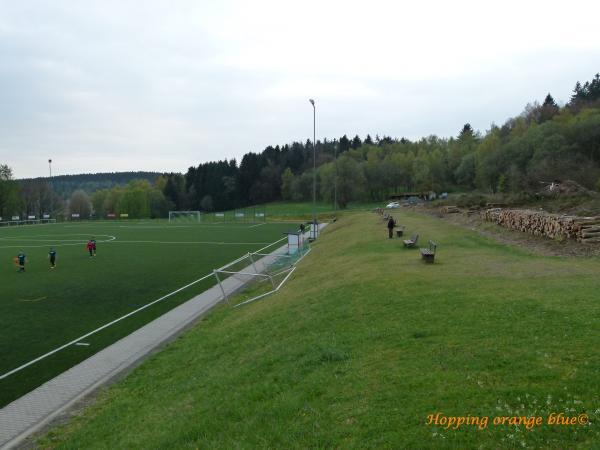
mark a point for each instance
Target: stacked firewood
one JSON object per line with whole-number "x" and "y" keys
{"x": 589, "y": 229}
{"x": 449, "y": 209}
{"x": 540, "y": 223}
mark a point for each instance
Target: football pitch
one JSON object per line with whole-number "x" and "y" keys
{"x": 137, "y": 263}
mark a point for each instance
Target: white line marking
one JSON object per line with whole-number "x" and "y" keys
{"x": 142, "y": 226}
{"x": 112, "y": 238}
{"x": 257, "y": 225}
{"x": 190, "y": 242}
{"x": 33, "y": 300}
{"x": 82, "y": 343}
{"x": 75, "y": 341}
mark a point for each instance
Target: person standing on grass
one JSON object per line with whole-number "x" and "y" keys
{"x": 390, "y": 226}
{"x": 21, "y": 258}
{"x": 94, "y": 245}
{"x": 90, "y": 247}
{"x": 52, "y": 258}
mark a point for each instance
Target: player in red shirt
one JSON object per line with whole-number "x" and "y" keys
{"x": 90, "y": 247}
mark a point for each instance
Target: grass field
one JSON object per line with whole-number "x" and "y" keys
{"x": 136, "y": 263}
{"x": 364, "y": 343}
{"x": 287, "y": 210}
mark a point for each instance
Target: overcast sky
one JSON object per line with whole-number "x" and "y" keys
{"x": 163, "y": 85}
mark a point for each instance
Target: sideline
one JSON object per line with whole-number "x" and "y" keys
{"x": 81, "y": 242}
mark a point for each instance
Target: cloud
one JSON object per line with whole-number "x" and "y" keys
{"x": 107, "y": 85}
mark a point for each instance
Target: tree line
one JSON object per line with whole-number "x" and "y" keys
{"x": 543, "y": 143}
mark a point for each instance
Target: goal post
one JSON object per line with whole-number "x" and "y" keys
{"x": 257, "y": 274}
{"x": 185, "y": 217}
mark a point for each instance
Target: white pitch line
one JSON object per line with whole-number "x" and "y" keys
{"x": 190, "y": 242}
{"x": 81, "y": 338}
{"x": 54, "y": 235}
{"x": 112, "y": 238}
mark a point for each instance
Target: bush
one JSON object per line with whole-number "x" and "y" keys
{"x": 467, "y": 200}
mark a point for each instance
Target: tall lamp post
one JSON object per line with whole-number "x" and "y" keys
{"x": 51, "y": 188}
{"x": 312, "y": 102}
{"x": 335, "y": 179}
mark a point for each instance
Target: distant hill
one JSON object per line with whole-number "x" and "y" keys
{"x": 65, "y": 185}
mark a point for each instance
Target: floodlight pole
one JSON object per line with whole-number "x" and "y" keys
{"x": 335, "y": 178}
{"x": 51, "y": 187}
{"x": 314, "y": 166}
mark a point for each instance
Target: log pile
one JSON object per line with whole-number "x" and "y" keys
{"x": 589, "y": 229}
{"x": 540, "y": 223}
{"x": 450, "y": 209}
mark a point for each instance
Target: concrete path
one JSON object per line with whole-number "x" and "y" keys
{"x": 31, "y": 412}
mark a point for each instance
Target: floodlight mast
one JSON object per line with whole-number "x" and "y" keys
{"x": 51, "y": 187}
{"x": 312, "y": 102}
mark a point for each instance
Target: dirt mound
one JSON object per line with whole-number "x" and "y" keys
{"x": 558, "y": 188}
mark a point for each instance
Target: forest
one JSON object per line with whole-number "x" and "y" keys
{"x": 545, "y": 142}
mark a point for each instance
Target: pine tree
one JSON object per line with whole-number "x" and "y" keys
{"x": 548, "y": 109}
{"x": 467, "y": 131}
{"x": 549, "y": 101}
{"x": 356, "y": 142}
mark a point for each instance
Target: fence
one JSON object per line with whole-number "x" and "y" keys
{"x": 8, "y": 223}
{"x": 253, "y": 214}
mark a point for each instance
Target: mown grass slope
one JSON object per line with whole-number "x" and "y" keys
{"x": 364, "y": 343}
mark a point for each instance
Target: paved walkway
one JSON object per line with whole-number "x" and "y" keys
{"x": 31, "y": 412}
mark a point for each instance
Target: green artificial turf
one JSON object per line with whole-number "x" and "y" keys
{"x": 364, "y": 343}
{"x": 44, "y": 308}
{"x": 287, "y": 210}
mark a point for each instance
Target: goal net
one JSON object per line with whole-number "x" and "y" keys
{"x": 184, "y": 217}
{"x": 257, "y": 274}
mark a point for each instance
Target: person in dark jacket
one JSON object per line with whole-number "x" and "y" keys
{"x": 391, "y": 223}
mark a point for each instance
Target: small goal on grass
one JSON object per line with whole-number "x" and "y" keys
{"x": 184, "y": 217}
{"x": 258, "y": 274}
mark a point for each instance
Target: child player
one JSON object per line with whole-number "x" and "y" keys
{"x": 21, "y": 258}
{"x": 52, "y": 258}
{"x": 94, "y": 245}
{"x": 90, "y": 247}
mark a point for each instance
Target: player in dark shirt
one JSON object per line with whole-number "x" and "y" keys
{"x": 21, "y": 257}
{"x": 52, "y": 258}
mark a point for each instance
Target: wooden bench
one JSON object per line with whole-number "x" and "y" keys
{"x": 400, "y": 231}
{"x": 412, "y": 241}
{"x": 428, "y": 254}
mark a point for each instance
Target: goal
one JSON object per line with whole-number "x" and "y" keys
{"x": 265, "y": 272}
{"x": 184, "y": 217}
